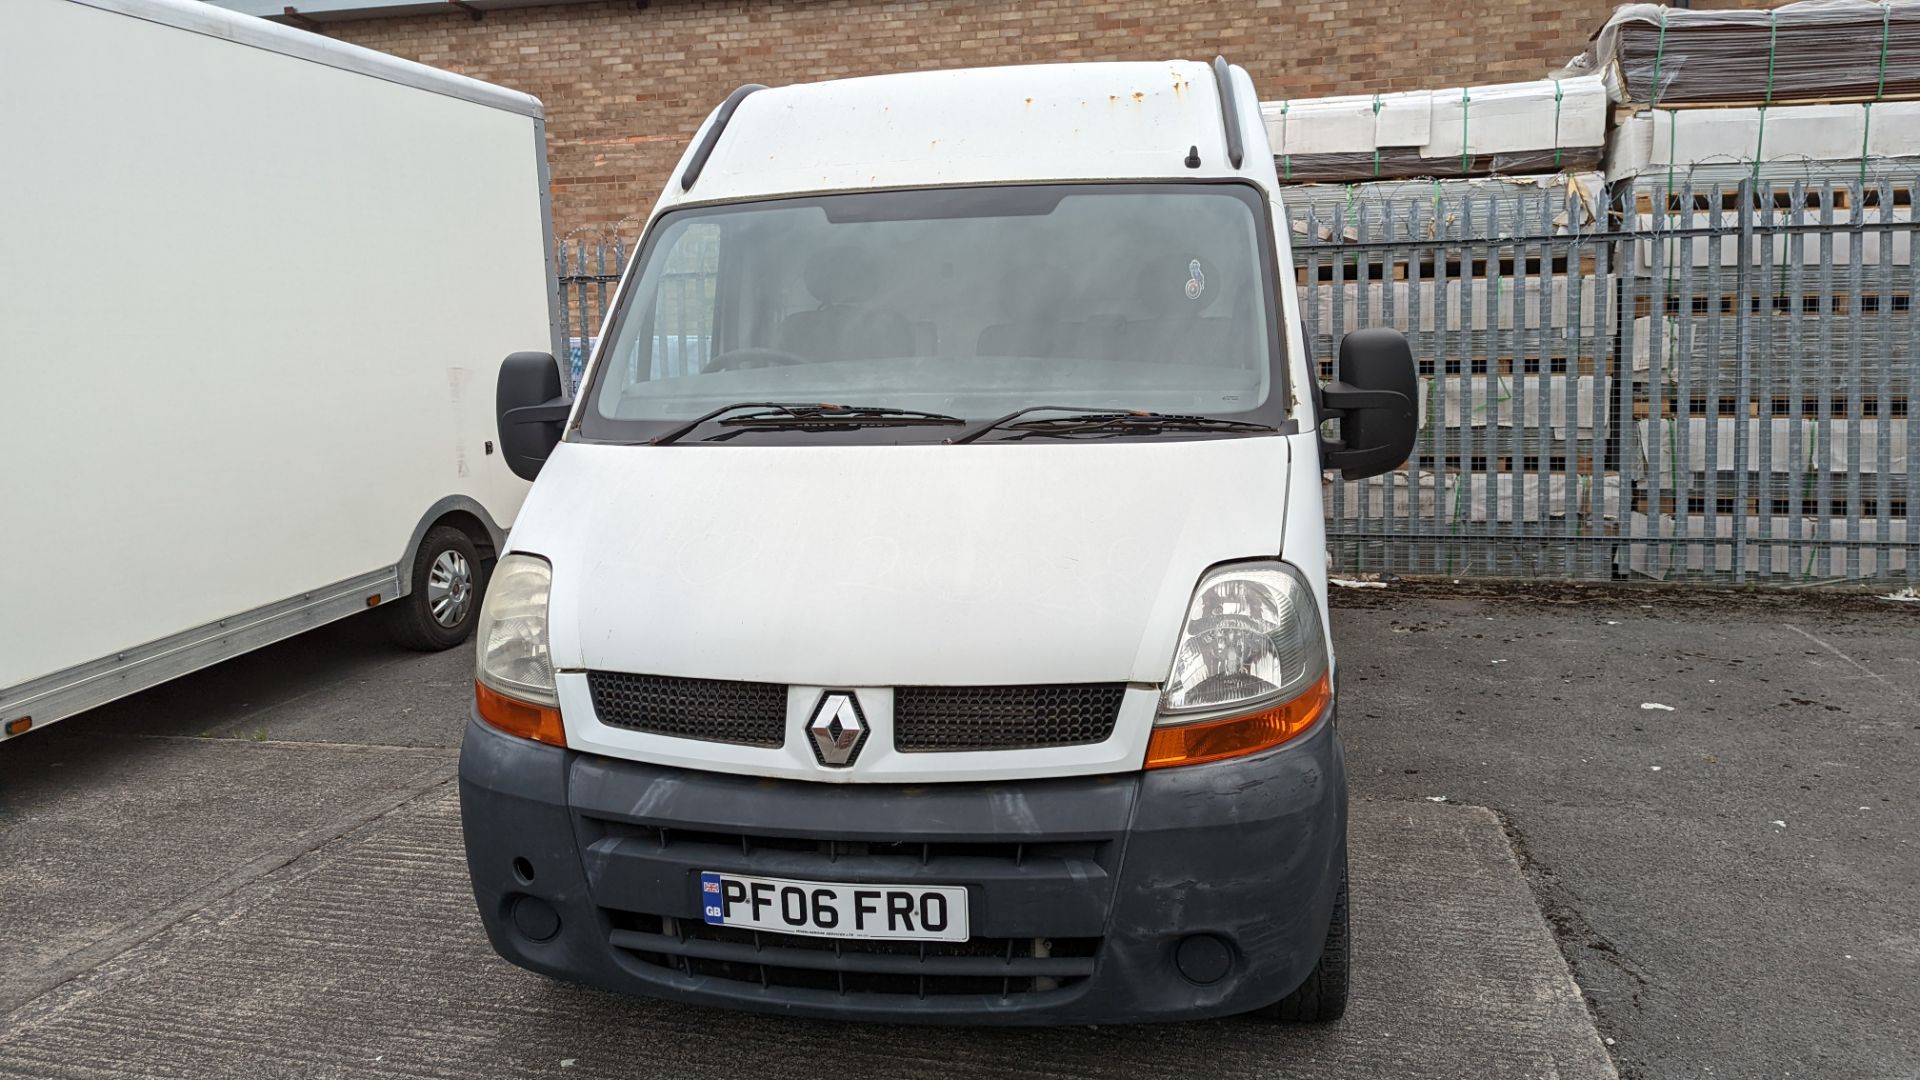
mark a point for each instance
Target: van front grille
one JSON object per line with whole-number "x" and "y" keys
{"x": 992, "y": 967}
{"x": 715, "y": 710}
{"x": 926, "y": 719}
{"x": 690, "y": 843}
{"x": 935, "y": 718}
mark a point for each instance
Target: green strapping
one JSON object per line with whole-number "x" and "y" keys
{"x": 1286, "y": 160}
{"x": 1349, "y": 219}
{"x": 1659, "y": 53}
{"x": 1466, "y": 99}
{"x": 1886, "y": 18}
{"x": 1879, "y": 89}
{"x": 1376, "y": 136}
{"x": 1866, "y": 129}
{"x": 1556, "y": 123}
{"x": 1806, "y": 489}
{"x": 1673, "y": 464}
{"x": 1673, "y": 137}
{"x": 1760, "y": 138}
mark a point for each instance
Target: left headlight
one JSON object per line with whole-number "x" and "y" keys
{"x": 1251, "y": 670}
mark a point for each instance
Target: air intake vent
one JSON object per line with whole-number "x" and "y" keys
{"x": 934, "y": 718}
{"x": 716, "y": 710}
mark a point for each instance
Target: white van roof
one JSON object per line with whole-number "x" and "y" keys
{"x": 1090, "y": 121}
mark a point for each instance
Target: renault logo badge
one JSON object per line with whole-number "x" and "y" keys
{"x": 838, "y": 728}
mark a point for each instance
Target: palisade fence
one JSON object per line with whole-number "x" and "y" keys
{"x": 1699, "y": 377}
{"x": 589, "y": 269}
{"x": 589, "y": 272}
{"x": 1707, "y": 376}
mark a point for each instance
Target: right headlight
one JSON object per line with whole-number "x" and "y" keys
{"x": 512, "y": 633}
{"x": 513, "y": 668}
{"x": 1251, "y": 669}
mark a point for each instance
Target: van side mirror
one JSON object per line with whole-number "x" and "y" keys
{"x": 1374, "y": 400}
{"x": 530, "y": 409}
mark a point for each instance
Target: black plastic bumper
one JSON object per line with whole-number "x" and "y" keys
{"x": 1167, "y": 895}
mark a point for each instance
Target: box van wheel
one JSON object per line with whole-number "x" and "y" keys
{"x": 448, "y": 580}
{"x": 1323, "y": 996}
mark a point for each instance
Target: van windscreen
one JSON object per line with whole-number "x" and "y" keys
{"x": 970, "y": 302}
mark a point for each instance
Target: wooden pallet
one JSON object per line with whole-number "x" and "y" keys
{"x": 1773, "y": 300}
{"x": 1771, "y": 194}
{"x": 1560, "y": 464}
{"x": 1328, "y": 266}
{"x": 1776, "y": 407}
{"x": 1624, "y": 111}
{"x": 1773, "y": 505}
{"x": 1428, "y": 364}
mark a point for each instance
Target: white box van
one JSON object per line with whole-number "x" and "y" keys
{"x": 271, "y": 277}
{"x": 920, "y": 613}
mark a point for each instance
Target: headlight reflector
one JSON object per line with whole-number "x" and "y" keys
{"x": 512, "y": 634}
{"x": 1251, "y": 671}
{"x": 1252, "y": 637}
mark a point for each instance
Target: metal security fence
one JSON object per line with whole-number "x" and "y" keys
{"x": 1702, "y": 376}
{"x": 1504, "y": 290}
{"x": 589, "y": 270}
{"x": 589, "y": 273}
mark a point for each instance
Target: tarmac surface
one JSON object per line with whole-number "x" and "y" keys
{"x": 256, "y": 871}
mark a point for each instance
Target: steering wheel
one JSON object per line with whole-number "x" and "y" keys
{"x": 751, "y": 358}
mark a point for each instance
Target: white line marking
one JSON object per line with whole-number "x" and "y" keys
{"x": 1864, "y": 669}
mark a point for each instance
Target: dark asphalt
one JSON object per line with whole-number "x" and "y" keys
{"x": 1735, "y": 882}
{"x": 253, "y": 871}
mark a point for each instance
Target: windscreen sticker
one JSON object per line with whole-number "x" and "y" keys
{"x": 1196, "y": 281}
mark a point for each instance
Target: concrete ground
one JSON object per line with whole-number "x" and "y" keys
{"x": 256, "y": 871}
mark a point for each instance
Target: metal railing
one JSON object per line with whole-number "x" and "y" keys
{"x": 1701, "y": 377}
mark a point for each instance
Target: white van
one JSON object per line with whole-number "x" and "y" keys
{"x": 920, "y": 613}
{"x": 273, "y": 274}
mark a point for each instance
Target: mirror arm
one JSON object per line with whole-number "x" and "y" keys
{"x": 1339, "y": 398}
{"x": 548, "y": 412}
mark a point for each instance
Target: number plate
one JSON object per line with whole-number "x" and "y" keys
{"x": 826, "y": 909}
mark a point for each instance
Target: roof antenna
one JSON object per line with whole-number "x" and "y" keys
{"x": 1193, "y": 157}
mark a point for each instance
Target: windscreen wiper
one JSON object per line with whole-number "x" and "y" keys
{"x": 785, "y": 414}
{"x": 1106, "y": 422}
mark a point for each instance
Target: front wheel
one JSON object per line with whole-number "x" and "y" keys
{"x": 448, "y": 578}
{"x": 1322, "y": 998}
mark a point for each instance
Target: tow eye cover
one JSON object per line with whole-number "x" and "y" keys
{"x": 838, "y": 728}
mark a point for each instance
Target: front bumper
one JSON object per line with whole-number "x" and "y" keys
{"x": 1092, "y": 899}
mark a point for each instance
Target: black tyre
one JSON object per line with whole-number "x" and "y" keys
{"x": 448, "y": 580}
{"x": 1323, "y": 996}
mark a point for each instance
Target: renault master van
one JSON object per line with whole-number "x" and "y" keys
{"x": 920, "y": 613}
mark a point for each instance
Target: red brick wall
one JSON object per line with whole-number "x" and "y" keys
{"x": 625, "y": 85}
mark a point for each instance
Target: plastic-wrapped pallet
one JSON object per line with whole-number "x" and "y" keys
{"x": 1774, "y": 448}
{"x": 1563, "y": 406}
{"x": 1511, "y": 497}
{"x": 1819, "y": 50}
{"x": 1705, "y": 347}
{"x": 1775, "y": 546}
{"x": 1466, "y": 310}
{"x": 1547, "y": 125}
{"x": 1541, "y": 205}
{"x": 1478, "y": 497}
{"x": 1665, "y": 143}
{"x": 1873, "y": 198}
